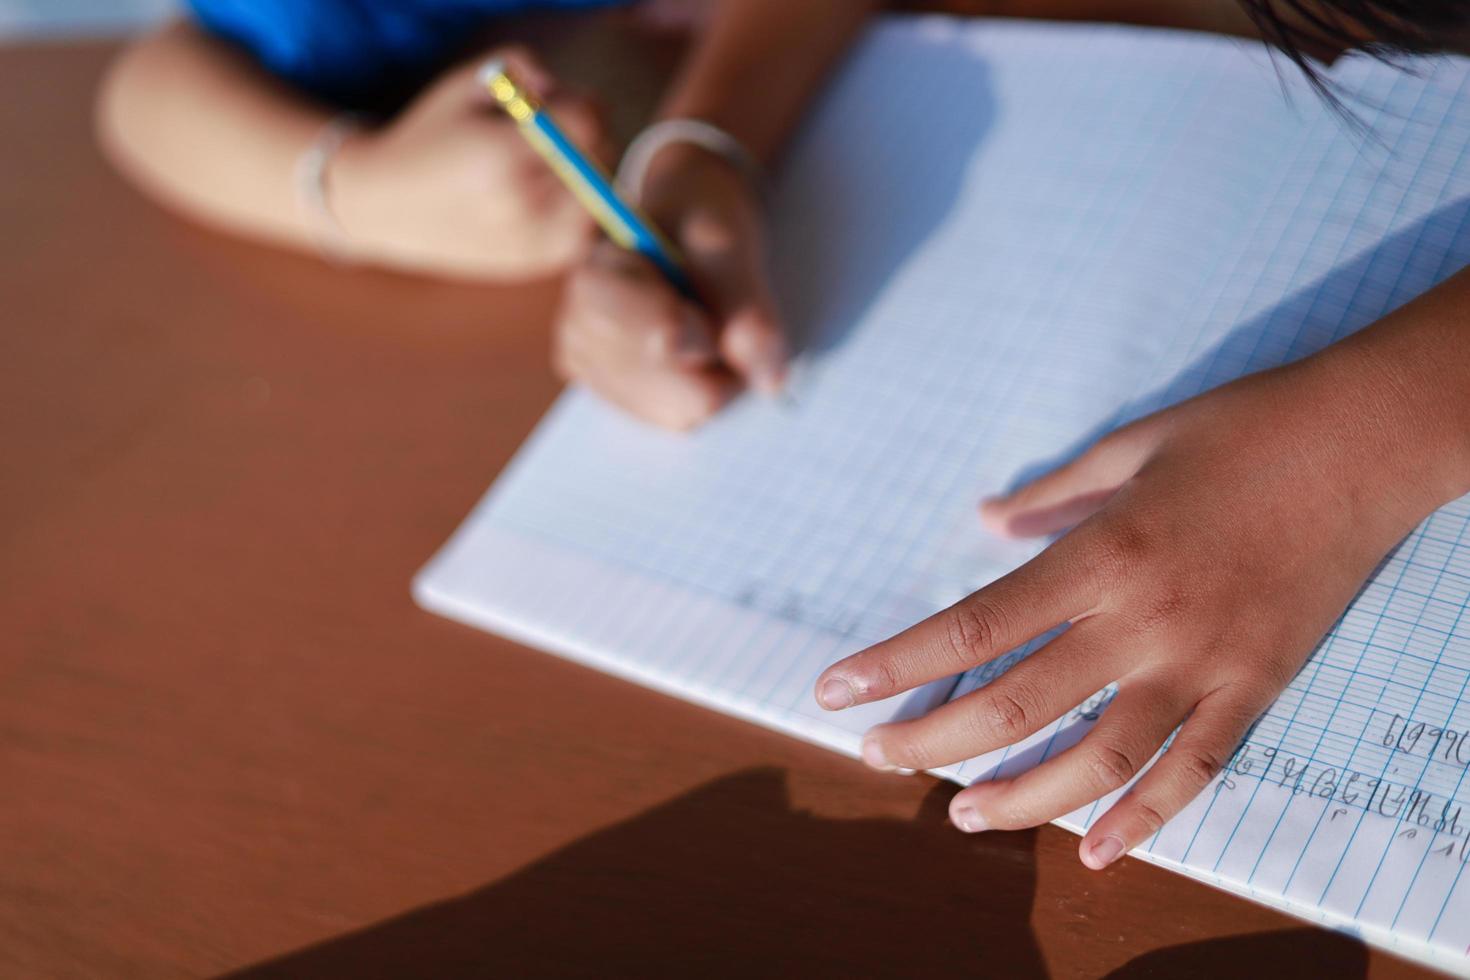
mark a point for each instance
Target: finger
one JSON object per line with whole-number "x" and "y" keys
{"x": 624, "y": 312}
{"x": 755, "y": 348}
{"x": 729, "y": 266}
{"x": 1036, "y": 691}
{"x": 677, "y": 400}
{"x": 1197, "y": 755}
{"x": 1054, "y": 587}
{"x": 1068, "y": 495}
{"x": 1118, "y": 747}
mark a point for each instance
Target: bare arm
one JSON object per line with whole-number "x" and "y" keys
{"x": 760, "y": 62}
{"x": 445, "y": 187}
{"x": 197, "y": 125}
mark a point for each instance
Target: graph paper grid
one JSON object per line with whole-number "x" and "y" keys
{"x": 1079, "y": 225}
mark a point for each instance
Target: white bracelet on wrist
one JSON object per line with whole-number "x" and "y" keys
{"x": 313, "y": 190}
{"x": 633, "y": 170}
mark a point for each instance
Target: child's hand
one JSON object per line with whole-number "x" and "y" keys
{"x": 450, "y": 187}
{"x": 1218, "y": 541}
{"x": 624, "y": 332}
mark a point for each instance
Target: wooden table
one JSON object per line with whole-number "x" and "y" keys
{"x": 230, "y": 742}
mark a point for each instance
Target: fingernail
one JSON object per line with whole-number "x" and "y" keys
{"x": 968, "y": 819}
{"x": 1105, "y": 852}
{"x": 873, "y": 754}
{"x": 836, "y": 694}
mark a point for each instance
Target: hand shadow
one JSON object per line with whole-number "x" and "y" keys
{"x": 1371, "y": 284}
{"x": 726, "y": 880}
{"x": 835, "y": 243}
{"x": 1298, "y": 952}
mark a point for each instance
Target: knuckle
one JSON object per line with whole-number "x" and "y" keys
{"x": 1110, "y": 765}
{"x": 1150, "y": 817}
{"x": 883, "y": 675}
{"x": 1199, "y": 765}
{"x": 971, "y": 628}
{"x": 1005, "y": 716}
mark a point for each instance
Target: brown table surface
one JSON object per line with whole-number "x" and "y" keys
{"x": 230, "y": 742}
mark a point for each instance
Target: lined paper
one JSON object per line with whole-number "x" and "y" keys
{"x": 997, "y": 241}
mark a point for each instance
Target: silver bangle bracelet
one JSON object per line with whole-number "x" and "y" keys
{"x": 633, "y": 171}
{"x": 313, "y": 190}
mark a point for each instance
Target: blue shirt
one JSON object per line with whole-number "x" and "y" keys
{"x": 357, "y": 52}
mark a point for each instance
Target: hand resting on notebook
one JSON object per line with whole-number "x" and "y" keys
{"x": 1212, "y": 546}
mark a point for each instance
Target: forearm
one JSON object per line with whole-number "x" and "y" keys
{"x": 1406, "y": 387}
{"x": 759, "y": 62}
{"x": 197, "y": 125}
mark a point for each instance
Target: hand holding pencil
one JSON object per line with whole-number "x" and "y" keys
{"x": 672, "y": 315}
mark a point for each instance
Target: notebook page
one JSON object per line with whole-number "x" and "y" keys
{"x": 1074, "y": 228}
{"x": 800, "y": 530}
{"x": 1345, "y": 803}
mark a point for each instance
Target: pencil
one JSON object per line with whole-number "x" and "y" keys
{"x": 624, "y": 224}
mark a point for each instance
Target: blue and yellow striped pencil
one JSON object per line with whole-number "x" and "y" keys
{"x": 623, "y": 223}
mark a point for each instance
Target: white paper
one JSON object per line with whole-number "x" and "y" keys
{"x": 998, "y": 241}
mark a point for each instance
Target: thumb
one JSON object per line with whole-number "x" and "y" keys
{"x": 1071, "y": 493}
{"x": 729, "y": 267}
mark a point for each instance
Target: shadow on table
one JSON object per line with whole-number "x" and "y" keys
{"x": 1291, "y": 952}
{"x": 728, "y": 879}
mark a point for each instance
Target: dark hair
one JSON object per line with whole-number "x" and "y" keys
{"x": 1382, "y": 28}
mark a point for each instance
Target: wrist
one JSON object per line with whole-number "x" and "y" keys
{"x": 354, "y": 191}
{"x": 682, "y": 176}
{"x": 1407, "y": 410}
{"x": 680, "y": 152}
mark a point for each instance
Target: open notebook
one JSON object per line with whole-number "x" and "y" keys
{"x": 998, "y": 241}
